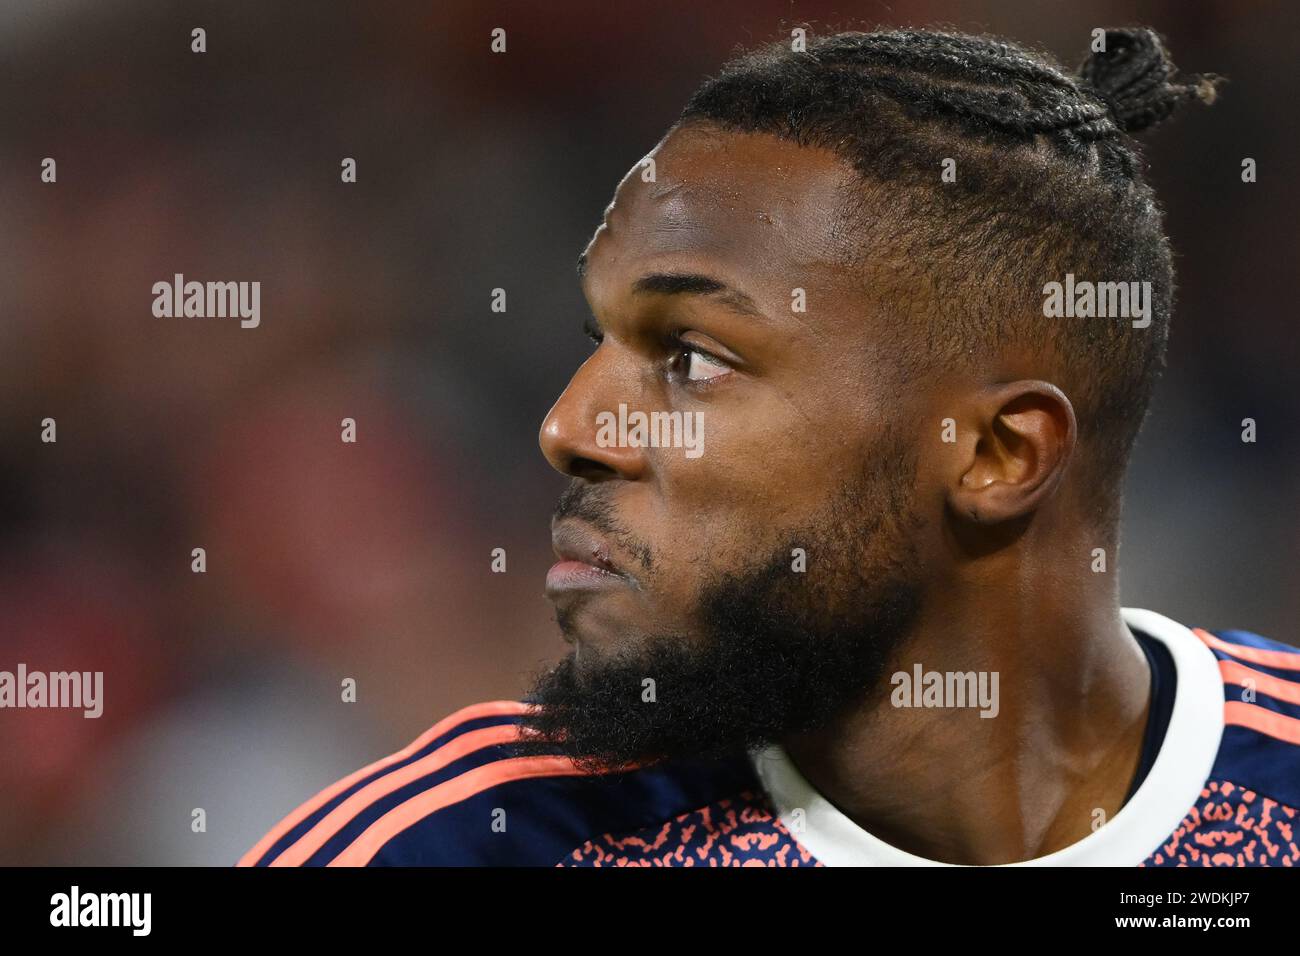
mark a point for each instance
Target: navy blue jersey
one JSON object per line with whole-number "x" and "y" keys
{"x": 1218, "y": 785}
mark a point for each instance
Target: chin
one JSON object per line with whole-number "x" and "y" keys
{"x": 590, "y": 648}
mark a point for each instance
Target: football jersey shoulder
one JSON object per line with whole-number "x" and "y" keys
{"x": 1249, "y": 809}
{"x": 468, "y": 792}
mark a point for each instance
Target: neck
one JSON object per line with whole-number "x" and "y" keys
{"x": 1054, "y": 762}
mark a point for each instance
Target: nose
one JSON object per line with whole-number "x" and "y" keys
{"x": 568, "y": 437}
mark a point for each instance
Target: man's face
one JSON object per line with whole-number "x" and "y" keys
{"x": 760, "y": 579}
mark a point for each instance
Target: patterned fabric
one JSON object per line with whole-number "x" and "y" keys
{"x": 1232, "y": 826}
{"x": 741, "y": 831}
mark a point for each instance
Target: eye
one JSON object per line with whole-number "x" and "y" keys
{"x": 699, "y": 366}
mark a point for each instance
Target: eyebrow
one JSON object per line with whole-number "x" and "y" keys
{"x": 689, "y": 283}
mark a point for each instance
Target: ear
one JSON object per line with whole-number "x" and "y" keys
{"x": 1020, "y": 436}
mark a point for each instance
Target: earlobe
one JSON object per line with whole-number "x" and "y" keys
{"x": 1026, "y": 435}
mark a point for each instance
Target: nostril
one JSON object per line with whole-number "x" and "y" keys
{"x": 589, "y": 469}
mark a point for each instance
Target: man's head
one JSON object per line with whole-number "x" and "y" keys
{"x": 836, "y": 260}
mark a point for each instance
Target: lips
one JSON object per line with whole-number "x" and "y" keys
{"x": 572, "y": 542}
{"x": 584, "y": 562}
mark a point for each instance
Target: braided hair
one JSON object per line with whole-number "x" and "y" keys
{"x": 1048, "y": 181}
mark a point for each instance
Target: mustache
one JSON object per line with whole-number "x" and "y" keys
{"x": 593, "y": 504}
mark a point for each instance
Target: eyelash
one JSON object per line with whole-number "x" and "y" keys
{"x": 678, "y": 347}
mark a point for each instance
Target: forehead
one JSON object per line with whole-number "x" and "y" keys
{"x": 750, "y": 204}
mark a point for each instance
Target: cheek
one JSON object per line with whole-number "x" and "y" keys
{"x": 760, "y": 476}
{"x": 766, "y": 451}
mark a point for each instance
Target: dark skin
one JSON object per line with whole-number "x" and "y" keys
{"x": 791, "y": 403}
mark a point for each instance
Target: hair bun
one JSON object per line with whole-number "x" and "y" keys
{"x": 1135, "y": 78}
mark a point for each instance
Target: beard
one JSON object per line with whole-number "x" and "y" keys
{"x": 773, "y": 651}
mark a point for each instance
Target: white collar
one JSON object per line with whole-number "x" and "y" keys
{"x": 1170, "y": 790}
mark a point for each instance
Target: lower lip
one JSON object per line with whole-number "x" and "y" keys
{"x": 579, "y": 576}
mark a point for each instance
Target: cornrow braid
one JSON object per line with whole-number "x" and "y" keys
{"x": 1049, "y": 182}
